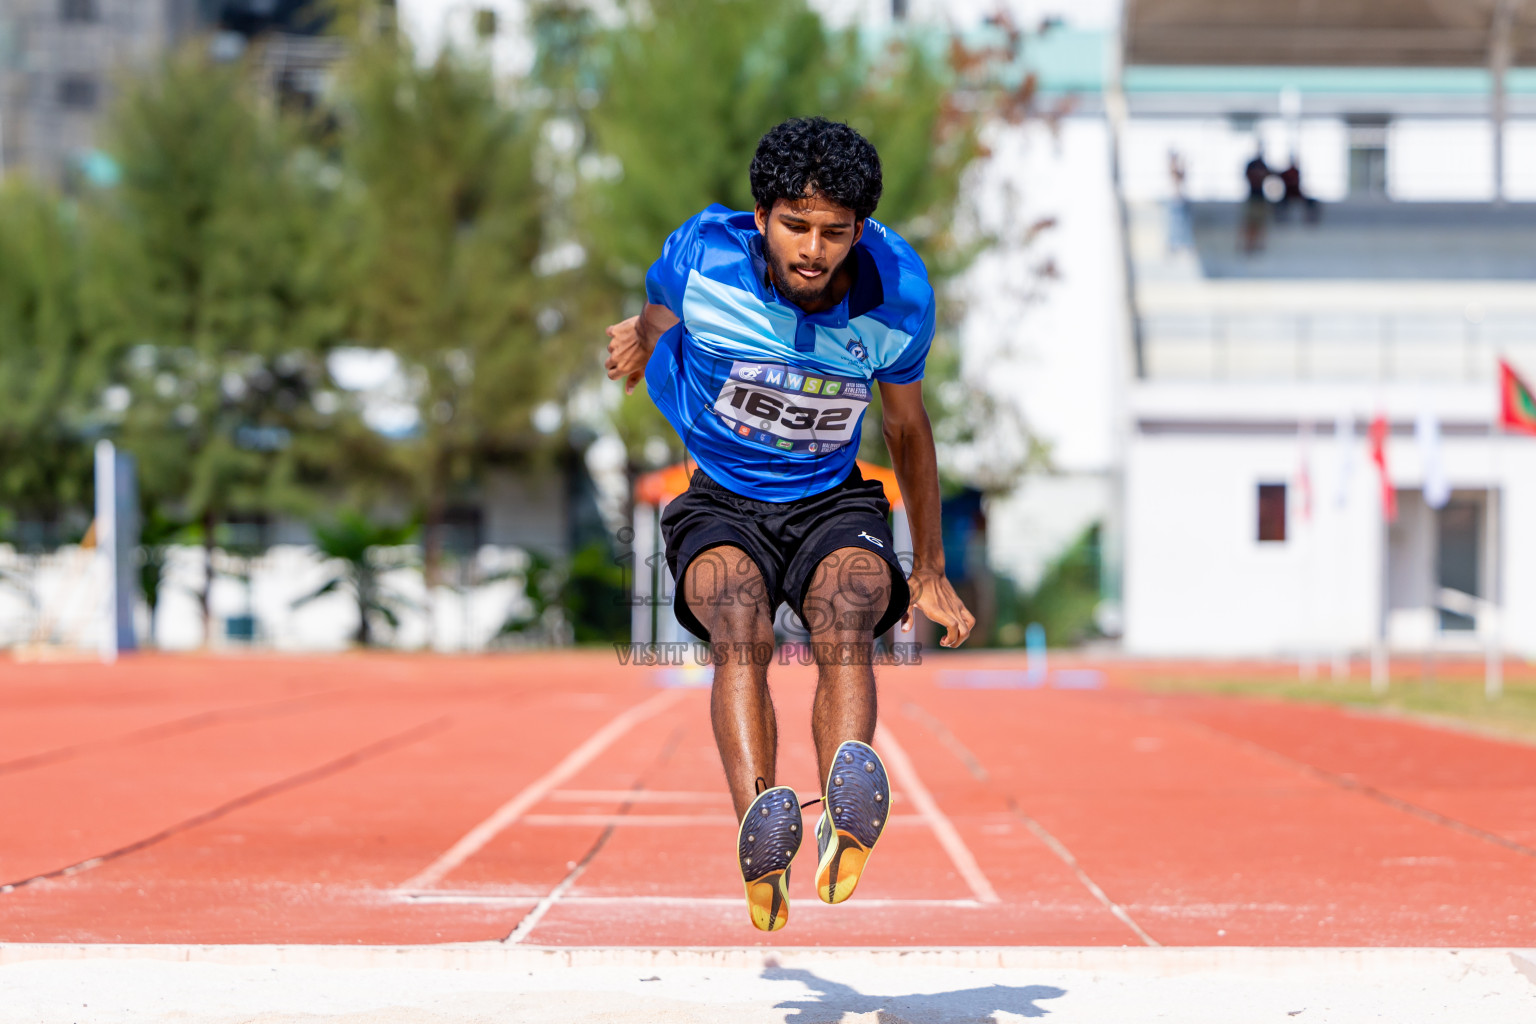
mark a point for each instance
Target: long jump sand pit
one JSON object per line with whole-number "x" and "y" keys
{"x": 493, "y": 982}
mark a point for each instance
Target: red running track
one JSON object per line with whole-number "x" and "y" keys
{"x": 565, "y": 800}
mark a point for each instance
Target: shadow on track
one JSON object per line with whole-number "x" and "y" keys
{"x": 830, "y": 1001}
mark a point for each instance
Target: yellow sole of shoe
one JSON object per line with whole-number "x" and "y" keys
{"x": 849, "y": 857}
{"x": 768, "y": 901}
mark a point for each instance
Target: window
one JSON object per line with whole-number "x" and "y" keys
{"x": 77, "y": 92}
{"x": 1368, "y": 157}
{"x": 1271, "y": 512}
{"x": 78, "y": 11}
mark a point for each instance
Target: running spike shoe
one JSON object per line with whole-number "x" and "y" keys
{"x": 767, "y": 841}
{"x": 858, "y": 804}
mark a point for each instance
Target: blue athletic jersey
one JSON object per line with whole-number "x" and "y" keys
{"x": 767, "y": 398}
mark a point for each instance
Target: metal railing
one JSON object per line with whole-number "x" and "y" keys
{"x": 1333, "y": 345}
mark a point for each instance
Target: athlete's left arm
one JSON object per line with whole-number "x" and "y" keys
{"x": 909, "y": 438}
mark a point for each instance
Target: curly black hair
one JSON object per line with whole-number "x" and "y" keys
{"x": 814, "y": 156}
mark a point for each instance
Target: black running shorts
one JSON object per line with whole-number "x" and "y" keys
{"x": 786, "y": 541}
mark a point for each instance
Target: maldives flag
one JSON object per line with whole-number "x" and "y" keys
{"x": 1517, "y": 407}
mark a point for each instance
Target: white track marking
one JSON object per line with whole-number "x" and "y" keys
{"x": 646, "y": 796}
{"x": 638, "y": 796}
{"x": 531, "y": 920}
{"x": 735, "y": 901}
{"x": 492, "y": 900}
{"x": 943, "y": 829}
{"x": 475, "y": 839}
{"x": 1039, "y": 831}
{"x": 473, "y": 898}
{"x": 664, "y": 820}
{"x": 633, "y": 820}
{"x": 1065, "y": 856}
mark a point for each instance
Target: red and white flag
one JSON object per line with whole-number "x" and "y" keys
{"x": 1380, "y": 431}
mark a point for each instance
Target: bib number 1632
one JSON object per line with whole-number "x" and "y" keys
{"x": 766, "y": 406}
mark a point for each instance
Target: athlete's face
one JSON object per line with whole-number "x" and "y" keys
{"x": 806, "y": 242}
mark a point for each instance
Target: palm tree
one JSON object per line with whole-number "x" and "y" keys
{"x": 357, "y": 544}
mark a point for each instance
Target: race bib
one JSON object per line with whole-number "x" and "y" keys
{"x": 791, "y": 410}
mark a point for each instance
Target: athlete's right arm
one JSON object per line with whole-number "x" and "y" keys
{"x": 632, "y": 341}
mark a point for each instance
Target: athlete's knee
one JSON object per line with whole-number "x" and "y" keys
{"x": 742, "y": 621}
{"x": 849, "y": 593}
{"x": 726, "y": 591}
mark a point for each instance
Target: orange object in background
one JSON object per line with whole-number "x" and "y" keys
{"x": 661, "y": 486}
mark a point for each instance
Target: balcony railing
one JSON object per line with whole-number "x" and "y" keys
{"x": 1333, "y": 345}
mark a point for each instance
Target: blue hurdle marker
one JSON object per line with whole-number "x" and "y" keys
{"x": 686, "y": 677}
{"x": 1035, "y": 665}
{"x": 1014, "y": 679}
{"x": 1077, "y": 679}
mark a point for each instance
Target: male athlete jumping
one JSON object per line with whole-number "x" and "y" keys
{"x": 761, "y": 338}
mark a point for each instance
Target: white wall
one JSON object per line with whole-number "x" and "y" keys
{"x": 1031, "y": 527}
{"x": 1428, "y": 159}
{"x": 1440, "y": 160}
{"x": 1520, "y": 160}
{"x": 67, "y": 586}
{"x": 1215, "y": 154}
{"x": 1054, "y": 346}
{"x": 1197, "y": 580}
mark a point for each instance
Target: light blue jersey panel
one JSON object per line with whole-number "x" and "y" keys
{"x": 767, "y": 398}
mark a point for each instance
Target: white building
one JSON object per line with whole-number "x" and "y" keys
{"x": 1253, "y": 512}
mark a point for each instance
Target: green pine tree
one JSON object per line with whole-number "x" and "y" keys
{"x": 215, "y": 287}
{"x": 453, "y": 222}
{"x": 50, "y": 379}
{"x": 673, "y": 103}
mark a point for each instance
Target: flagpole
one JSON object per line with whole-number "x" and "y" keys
{"x": 1344, "y": 439}
{"x": 1306, "y": 666}
{"x": 1381, "y": 666}
{"x": 1493, "y": 651}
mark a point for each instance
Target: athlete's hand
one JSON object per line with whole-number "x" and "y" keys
{"x": 933, "y": 595}
{"x": 627, "y": 353}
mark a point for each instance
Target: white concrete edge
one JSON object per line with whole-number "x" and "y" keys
{"x": 498, "y": 956}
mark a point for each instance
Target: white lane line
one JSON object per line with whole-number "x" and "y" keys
{"x": 1065, "y": 856}
{"x": 735, "y": 901}
{"x": 531, "y": 920}
{"x": 1039, "y": 831}
{"x": 475, "y": 839}
{"x": 943, "y": 828}
{"x": 486, "y": 899}
{"x": 663, "y": 820}
{"x": 632, "y": 820}
{"x": 660, "y": 796}
{"x": 473, "y": 898}
{"x": 641, "y": 796}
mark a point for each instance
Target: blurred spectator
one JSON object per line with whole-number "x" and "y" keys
{"x": 1293, "y": 195}
{"x": 1180, "y": 233}
{"x": 1256, "y": 208}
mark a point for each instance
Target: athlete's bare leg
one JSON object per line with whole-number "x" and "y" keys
{"x": 725, "y": 590}
{"x": 849, "y": 591}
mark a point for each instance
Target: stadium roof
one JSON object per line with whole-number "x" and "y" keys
{"x": 1337, "y": 33}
